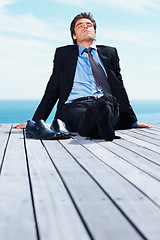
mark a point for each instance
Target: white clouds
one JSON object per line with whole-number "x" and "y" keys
{"x": 153, "y": 4}
{"x": 3, "y": 3}
{"x": 136, "y": 6}
{"x": 82, "y": 3}
{"x": 24, "y": 62}
{"x": 28, "y": 25}
{"x": 121, "y": 35}
{"x": 129, "y": 36}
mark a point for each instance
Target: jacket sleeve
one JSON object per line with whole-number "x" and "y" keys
{"x": 51, "y": 94}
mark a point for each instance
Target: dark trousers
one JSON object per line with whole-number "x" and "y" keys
{"x": 93, "y": 117}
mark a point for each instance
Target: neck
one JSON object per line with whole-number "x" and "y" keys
{"x": 85, "y": 44}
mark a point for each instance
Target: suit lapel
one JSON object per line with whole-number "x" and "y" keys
{"x": 103, "y": 56}
{"x": 113, "y": 81}
{"x": 70, "y": 56}
{"x": 107, "y": 64}
{"x": 72, "y": 62}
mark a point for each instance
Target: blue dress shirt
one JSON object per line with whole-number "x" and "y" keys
{"x": 84, "y": 84}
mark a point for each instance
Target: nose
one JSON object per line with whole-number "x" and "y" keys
{"x": 85, "y": 25}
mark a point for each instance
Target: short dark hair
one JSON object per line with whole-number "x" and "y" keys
{"x": 79, "y": 16}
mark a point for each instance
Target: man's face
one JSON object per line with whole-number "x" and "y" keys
{"x": 84, "y": 31}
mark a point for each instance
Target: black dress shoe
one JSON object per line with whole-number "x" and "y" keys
{"x": 59, "y": 128}
{"x": 39, "y": 130}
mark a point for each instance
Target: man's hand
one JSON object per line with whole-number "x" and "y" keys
{"x": 20, "y": 126}
{"x": 143, "y": 125}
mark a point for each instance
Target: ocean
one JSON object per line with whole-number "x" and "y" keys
{"x": 18, "y": 111}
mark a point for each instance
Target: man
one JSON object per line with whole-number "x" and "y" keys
{"x": 87, "y": 83}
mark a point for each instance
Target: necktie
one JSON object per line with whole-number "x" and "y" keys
{"x": 98, "y": 73}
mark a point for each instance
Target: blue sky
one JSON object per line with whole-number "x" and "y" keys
{"x": 31, "y": 30}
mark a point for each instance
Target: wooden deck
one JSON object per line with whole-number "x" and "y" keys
{"x": 78, "y": 189}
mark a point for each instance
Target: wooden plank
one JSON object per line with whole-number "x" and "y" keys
{"x": 152, "y": 132}
{"x": 139, "y": 209}
{"x": 156, "y": 125}
{"x": 139, "y": 135}
{"x": 143, "y": 181}
{"x": 57, "y": 217}
{"x": 142, "y": 151}
{"x": 16, "y": 212}
{"x": 4, "y": 135}
{"x": 125, "y": 135}
{"x": 99, "y": 213}
{"x": 135, "y": 158}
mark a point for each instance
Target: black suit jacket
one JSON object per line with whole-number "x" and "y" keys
{"x": 61, "y": 82}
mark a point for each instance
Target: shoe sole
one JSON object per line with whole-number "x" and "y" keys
{"x": 55, "y": 137}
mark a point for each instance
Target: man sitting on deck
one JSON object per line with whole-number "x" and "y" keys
{"x": 86, "y": 80}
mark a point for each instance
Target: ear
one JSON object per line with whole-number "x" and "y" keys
{"x": 74, "y": 37}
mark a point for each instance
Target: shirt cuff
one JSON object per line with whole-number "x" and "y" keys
{"x": 134, "y": 124}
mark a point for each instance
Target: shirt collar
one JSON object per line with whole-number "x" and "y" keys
{"x": 81, "y": 48}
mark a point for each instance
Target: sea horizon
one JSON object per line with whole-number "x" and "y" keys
{"x": 20, "y": 110}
